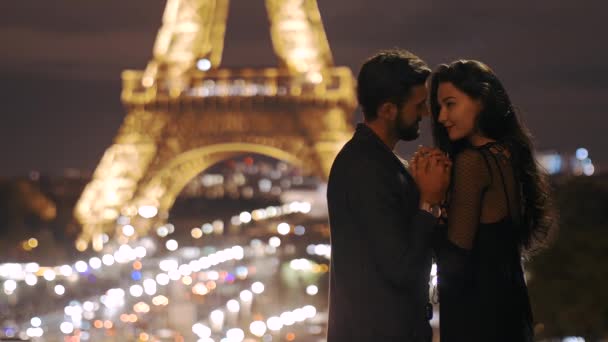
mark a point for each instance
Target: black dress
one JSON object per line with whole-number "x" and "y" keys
{"x": 482, "y": 291}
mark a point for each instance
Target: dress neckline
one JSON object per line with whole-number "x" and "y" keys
{"x": 488, "y": 145}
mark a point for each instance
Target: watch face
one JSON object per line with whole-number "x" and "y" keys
{"x": 436, "y": 210}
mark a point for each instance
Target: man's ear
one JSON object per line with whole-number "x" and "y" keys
{"x": 388, "y": 111}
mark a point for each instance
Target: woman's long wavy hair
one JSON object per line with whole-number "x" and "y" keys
{"x": 498, "y": 120}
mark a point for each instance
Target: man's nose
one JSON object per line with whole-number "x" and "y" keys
{"x": 425, "y": 112}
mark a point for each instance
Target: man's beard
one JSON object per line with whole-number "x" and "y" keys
{"x": 408, "y": 132}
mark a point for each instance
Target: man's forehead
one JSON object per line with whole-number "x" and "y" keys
{"x": 419, "y": 92}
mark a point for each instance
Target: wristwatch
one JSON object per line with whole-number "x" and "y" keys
{"x": 433, "y": 209}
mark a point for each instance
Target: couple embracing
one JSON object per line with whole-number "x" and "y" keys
{"x": 476, "y": 203}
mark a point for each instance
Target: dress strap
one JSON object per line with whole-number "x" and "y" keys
{"x": 504, "y": 185}
{"x": 485, "y": 159}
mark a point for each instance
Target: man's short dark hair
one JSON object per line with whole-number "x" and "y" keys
{"x": 389, "y": 76}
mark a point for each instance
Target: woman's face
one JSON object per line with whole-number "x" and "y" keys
{"x": 458, "y": 111}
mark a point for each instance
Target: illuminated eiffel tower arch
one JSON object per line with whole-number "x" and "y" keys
{"x": 186, "y": 113}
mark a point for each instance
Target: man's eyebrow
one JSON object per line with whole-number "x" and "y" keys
{"x": 447, "y": 98}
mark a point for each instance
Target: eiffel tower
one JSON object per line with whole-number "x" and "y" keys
{"x": 185, "y": 112}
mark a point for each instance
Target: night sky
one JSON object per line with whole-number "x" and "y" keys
{"x": 61, "y": 60}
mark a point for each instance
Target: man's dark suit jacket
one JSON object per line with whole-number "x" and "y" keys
{"x": 380, "y": 246}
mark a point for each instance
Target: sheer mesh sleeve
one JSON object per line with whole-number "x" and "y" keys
{"x": 470, "y": 179}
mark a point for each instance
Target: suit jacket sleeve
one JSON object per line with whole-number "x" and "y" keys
{"x": 399, "y": 240}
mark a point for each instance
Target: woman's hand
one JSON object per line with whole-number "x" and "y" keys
{"x": 431, "y": 169}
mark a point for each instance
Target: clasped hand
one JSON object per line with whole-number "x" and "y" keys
{"x": 431, "y": 169}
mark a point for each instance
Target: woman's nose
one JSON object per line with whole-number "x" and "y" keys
{"x": 443, "y": 116}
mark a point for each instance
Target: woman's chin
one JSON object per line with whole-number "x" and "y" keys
{"x": 454, "y": 137}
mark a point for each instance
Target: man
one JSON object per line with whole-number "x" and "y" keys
{"x": 381, "y": 217}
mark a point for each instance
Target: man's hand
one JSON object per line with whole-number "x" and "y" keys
{"x": 431, "y": 170}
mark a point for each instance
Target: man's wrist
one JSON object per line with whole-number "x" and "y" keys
{"x": 433, "y": 209}
{"x": 430, "y": 200}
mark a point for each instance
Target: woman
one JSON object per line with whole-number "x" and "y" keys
{"x": 497, "y": 207}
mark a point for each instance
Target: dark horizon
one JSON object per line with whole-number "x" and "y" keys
{"x": 61, "y": 72}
